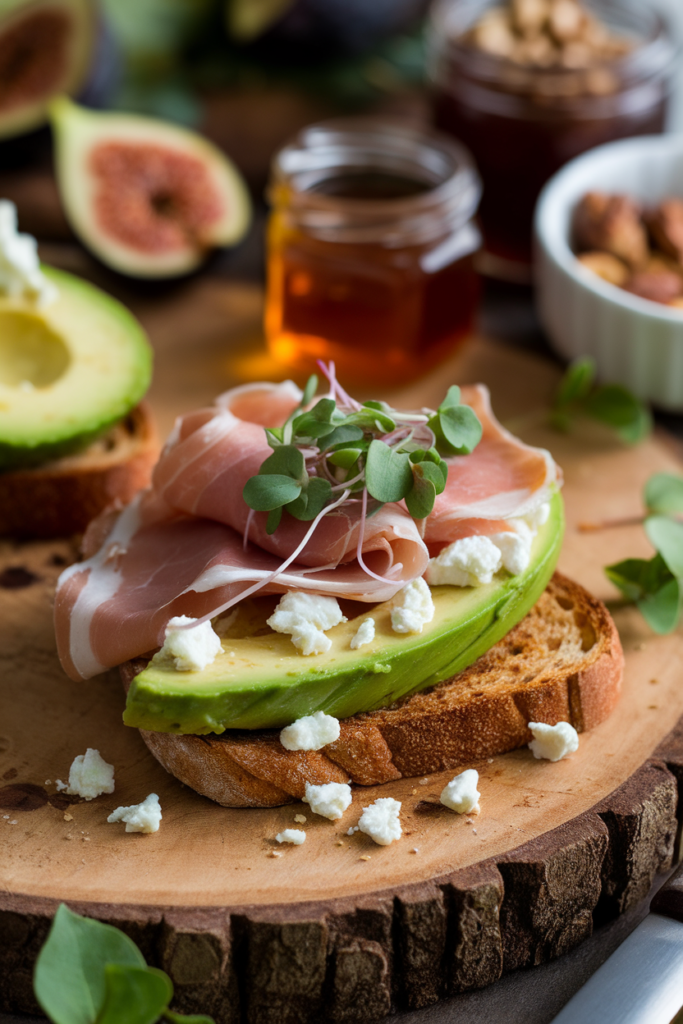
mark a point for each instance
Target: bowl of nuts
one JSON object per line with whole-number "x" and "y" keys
{"x": 609, "y": 264}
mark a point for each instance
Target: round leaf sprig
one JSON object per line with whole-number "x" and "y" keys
{"x": 338, "y": 445}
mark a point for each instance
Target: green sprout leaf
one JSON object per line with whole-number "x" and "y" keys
{"x": 309, "y": 390}
{"x": 369, "y": 418}
{"x": 666, "y": 536}
{"x": 342, "y": 435}
{"x": 662, "y": 609}
{"x": 611, "y": 404}
{"x": 265, "y": 493}
{"x": 285, "y": 461}
{"x": 388, "y": 474}
{"x": 456, "y": 427}
{"x": 318, "y": 421}
{"x": 273, "y": 520}
{"x": 136, "y": 995}
{"x": 69, "y": 979}
{"x": 663, "y": 493}
{"x": 345, "y": 457}
{"x": 312, "y": 499}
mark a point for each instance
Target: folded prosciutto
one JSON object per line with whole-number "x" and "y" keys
{"x": 191, "y": 544}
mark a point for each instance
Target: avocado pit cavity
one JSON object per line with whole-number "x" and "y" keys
{"x": 33, "y": 57}
{"x": 32, "y": 355}
{"x": 153, "y": 198}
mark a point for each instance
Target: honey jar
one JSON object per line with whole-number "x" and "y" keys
{"x": 525, "y": 102}
{"x": 370, "y": 249}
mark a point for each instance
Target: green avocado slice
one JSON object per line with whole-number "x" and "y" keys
{"x": 68, "y": 371}
{"x": 261, "y": 682}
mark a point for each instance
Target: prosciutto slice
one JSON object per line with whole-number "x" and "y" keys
{"x": 503, "y": 478}
{"x": 190, "y": 543}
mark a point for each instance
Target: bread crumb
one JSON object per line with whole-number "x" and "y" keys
{"x": 653, "y": 707}
{"x": 301, "y": 818}
{"x": 489, "y": 760}
{"x": 653, "y": 682}
{"x": 48, "y": 782}
{"x": 366, "y": 856}
{"x": 415, "y": 850}
{"x": 68, "y": 836}
{"x": 474, "y": 831}
{"x": 274, "y": 853}
{"x": 340, "y": 842}
{"x": 13, "y": 822}
{"x": 468, "y": 821}
{"x": 423, "y": 782}
{"x": 68, "y": 817}
{"x": 6, "y": 816}
{"x": 86, "y": 839}
{"x": 413, "y": 792}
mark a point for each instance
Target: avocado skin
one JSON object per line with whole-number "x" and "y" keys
{"x": 67, "y": 434}
{"x": 160, "y": 701}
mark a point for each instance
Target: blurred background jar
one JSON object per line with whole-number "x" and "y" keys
{"x": 529, "y": 84}
{"x": 371, "y": 248}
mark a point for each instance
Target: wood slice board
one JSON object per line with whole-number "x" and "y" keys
{"x": 339, "y": 921}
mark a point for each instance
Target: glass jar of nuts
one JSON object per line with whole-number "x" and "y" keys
{"x": 529, "y": 84}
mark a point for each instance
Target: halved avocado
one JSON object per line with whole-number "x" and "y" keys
{"x": 68, "y": 371}
{"x": 150, "y": 199}
{"x": 262, "y": 681}
{"x": 46, "y": 49}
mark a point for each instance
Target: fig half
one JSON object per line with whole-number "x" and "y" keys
{"x": 46, "y": 49}
{"x": 150, "y": 199}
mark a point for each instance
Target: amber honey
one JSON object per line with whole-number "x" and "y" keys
{"x": 370, "y": 251}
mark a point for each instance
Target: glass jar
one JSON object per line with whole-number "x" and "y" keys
{"x": 370, "y": 249}
{"x": 523, "y": 122}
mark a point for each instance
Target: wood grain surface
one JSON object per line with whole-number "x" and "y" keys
{"x": 338, "y": 927}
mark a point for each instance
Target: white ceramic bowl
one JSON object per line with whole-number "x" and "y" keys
{"x": 634, "y": 342}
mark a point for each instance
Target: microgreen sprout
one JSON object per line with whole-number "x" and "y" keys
{"x": 655, "y": 585}
{"x": 611, "y": 404}
{"x": 370, "y": 450}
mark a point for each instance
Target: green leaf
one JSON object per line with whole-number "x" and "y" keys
{"x": 69, "y": 978}
{"x": 666, "y": 536}
{"x": 457, "y": 429}
{"x": 370, "y": 419}
{"x": 310, "y": 389}
{"x": 429, "y": 471}
{"x": 577, "y": 381}
{"x": 190, "y": 1018}
{"x": 615, "y": 406}
{"x": 285, "y": 461}
{"x": 664, "y": 493}
{"x": 420, "y": 500}
{"x": 275, "y": 436}
{"x": 344, "y": 457}
{"x": 273, "y": 520}
{"x": 662, "y": 609}
{"x": 342, "y": 435}
{"x": 452, "y": 398}
{"x": 318, "y": 421}
{"x": 134, "y": 995}
{"x": 638, "y": 577}
{"x": 388, "y": 474}
{"x": 312, "y": 500}
{"x": 264, "y": 493}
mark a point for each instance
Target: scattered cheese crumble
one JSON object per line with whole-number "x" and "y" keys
{"x": 473, "y": 561}
{"x": 461, "y": 793}
{"x": 329, "y": 800}
{"x": 365, "y": 634}
{"x": 190, "y": 650}
{"x": 306, "y": 617}
{"x": 300, "y": 819}
{"x": 144, "y": 817}
{"x": 20, "y": 273}
{"x": 413, "y": 608}
{"x": 381, "y": 821}
{"x": 312, "y": 732}
{"x": 553, "y": 742}
{"x": 291, "y": 835}
{"x": 89, "y": 776}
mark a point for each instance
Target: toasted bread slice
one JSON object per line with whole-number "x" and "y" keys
{"x": 563, "y": 662}
{"x": 61, "y": 497}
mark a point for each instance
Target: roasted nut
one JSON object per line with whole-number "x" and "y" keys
{"x": 529, "y": 16}
{"x": 494, "y": 35}
{"x": 666, "y": 227}
{"x": 662, "y": 286}
{"x": 611, "y": 224}
{"x": 566, "y": 20}
{"x": 606, "y": 266}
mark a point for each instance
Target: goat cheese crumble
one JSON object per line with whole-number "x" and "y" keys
{"x": 553, "y": 742}
{"x": 306, "y": 617}
{"x": 190, "y": 650}
{"x": 365, "y": 634}
{"x": 412, "y": 608}
{"x": 292, "y": 835}
{"x": 312, "y": 732}
{"x": 89, "y": 776}
{"x": 20, "y": 273}
{"x": 461, "y": 793}
{"x": 144, "y": 817}
{"x": 380, "y": 820}
{"x": 329, "y": 800}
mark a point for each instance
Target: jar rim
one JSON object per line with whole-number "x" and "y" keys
{"x": 325, "y": 149}
{"x": 652, "y": 57}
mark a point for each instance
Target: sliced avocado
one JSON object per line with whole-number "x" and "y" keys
{"x": 150, "y": 199}
{"x": 262, "y": 682}
{"x": 68, "y": 371}
{"x": 46, "y": 49}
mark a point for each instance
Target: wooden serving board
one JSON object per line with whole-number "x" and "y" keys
{"x": 338, "y": 927}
